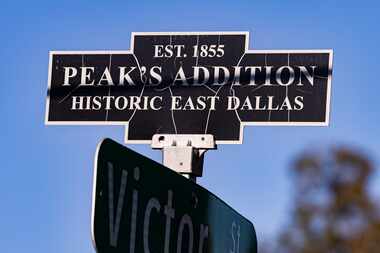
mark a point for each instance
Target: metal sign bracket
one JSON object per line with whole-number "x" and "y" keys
{"x": 184, "y": 153}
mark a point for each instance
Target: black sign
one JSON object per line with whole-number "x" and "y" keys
{"x": 140, "y": 206}
{"x": 189, "y": 83}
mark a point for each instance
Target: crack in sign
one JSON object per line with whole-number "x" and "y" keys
{"x": 141, "y": 72}
{"x": 189, "y": 83}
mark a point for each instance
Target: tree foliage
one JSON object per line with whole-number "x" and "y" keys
{"x": 332, "y": 210}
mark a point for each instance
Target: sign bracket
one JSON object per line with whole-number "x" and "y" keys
{"x": 184, "y": 153}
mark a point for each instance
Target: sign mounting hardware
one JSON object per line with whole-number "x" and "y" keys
{"x": 184, "y": 153}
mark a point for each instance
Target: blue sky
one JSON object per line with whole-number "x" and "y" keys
{"x": 47, "y": 170}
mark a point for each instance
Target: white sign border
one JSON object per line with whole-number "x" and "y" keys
{"x": 242, "y": 124}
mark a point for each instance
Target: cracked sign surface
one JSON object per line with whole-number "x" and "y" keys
{"x": 189, "y": 83}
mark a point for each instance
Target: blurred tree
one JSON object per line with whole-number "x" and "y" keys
{"x": 333, "y": 211}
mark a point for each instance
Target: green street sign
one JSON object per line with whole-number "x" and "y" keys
{"x": 141, "y": 206}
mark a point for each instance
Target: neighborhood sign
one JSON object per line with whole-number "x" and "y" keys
{"x": 189, "y": 83}
{"x": 142, "y": 206}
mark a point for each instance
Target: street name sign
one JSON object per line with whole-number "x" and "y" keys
{"x": 189, "y": 83}
{"x": 141, "y": 206}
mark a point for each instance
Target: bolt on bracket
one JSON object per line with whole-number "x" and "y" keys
{"x": 184, "y": 153}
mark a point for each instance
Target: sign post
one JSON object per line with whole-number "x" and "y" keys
{"x": 140, "y": 206}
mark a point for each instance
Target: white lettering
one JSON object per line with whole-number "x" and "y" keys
{"x": 69, "y": 73}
